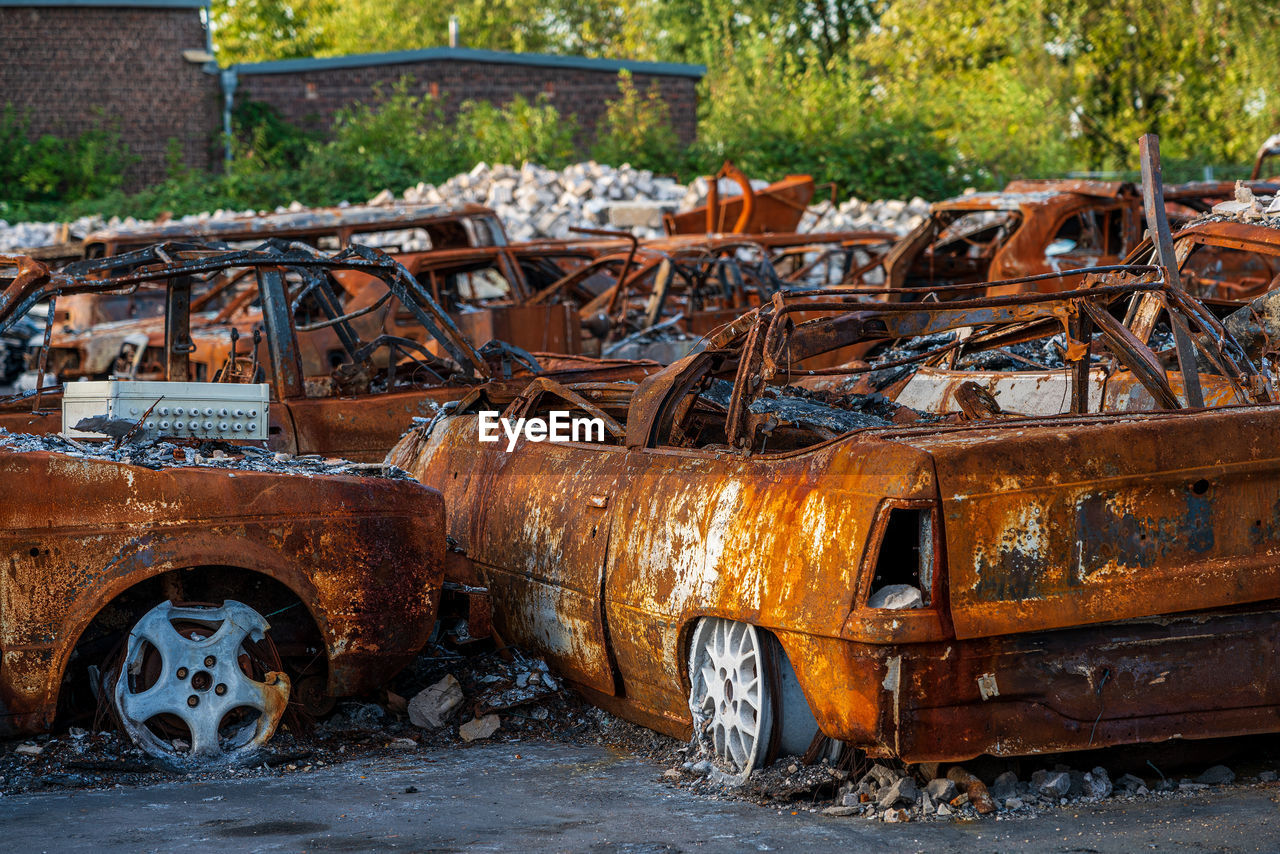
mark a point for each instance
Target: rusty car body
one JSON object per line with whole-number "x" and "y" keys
{"x": 778, "y": 207}
{"x": 393, "y": 228}
{"x": 344, "y": 381}
{"x": 347, "y": 570}
{"x": 413, "y": 226}
{"x": 1034, "y": 227}
{"x": 658, "y": 297}
{"x": 1104, "y": 576}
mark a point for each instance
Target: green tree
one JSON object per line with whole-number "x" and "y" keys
{"x": 515, "y": 132}
{"x": 263, "y": 30}
{"x": 636, "y": 129}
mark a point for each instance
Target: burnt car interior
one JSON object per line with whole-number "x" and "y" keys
{"x": 330, "y": 348}
{"x": 750, "y": 391}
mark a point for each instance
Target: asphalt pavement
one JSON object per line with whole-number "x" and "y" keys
{"x": 533, "y": 796}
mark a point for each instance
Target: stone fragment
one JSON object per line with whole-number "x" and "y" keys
{"x": 1097, "y": 784}
{"x": 479, "y": 728}
{"x": 902, "y": 791}
{"x": 1051, "y": 784}
{"x": 941, "y": 789}
{"x": 1004, "y": 786}
{"x": 842, "y": 810}
{"x": 1218, "y": 775}
{"x": 1130, "y": 782}
{"x": 431, "y": 706}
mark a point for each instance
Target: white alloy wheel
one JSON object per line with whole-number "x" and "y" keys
{"x": 187, "y": 668}
{"x": 730, "y": 695}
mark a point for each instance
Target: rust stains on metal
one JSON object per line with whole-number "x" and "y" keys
{"x": 1079, "y": 573}
{"x": 348, "y": 568}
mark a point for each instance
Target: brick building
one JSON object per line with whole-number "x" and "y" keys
{"x": 140, "y": 64}
{"x": 145, "y": 66}
{"x": 309, "y": 92}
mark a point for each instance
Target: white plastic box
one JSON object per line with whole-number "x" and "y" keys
{"x": 226, "y": 411}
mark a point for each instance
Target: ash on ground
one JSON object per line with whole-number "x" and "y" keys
{"x": 454, "y": 695}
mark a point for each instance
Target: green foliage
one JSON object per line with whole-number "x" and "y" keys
{"x": 883, "y": 97}
{"x": 50, "y": 168}
{"x": 396, "y": 141}
{"x": 773, "y": 114}
{"x": 636, "y": 129}
{"x": 516, "y": 132}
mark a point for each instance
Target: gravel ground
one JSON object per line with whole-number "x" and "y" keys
{"x": 531, "y": 705}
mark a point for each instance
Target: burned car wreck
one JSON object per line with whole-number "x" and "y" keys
{"x": 938, "y": 577}
{"x": 353, "y": 347}
{"x": 201, "y": 600}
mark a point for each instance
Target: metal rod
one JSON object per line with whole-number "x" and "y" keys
{"x": 1158, "y": 225}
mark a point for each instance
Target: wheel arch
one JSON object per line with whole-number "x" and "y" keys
{"x": 136, "y": 568}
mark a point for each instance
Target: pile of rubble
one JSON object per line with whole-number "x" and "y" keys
{"x": 535, "y": 202}
{"x": 888, "y": 794}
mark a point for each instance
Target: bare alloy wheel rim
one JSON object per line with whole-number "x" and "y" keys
{"x": 729, "y": 696}
{"x": 200, "y": 682}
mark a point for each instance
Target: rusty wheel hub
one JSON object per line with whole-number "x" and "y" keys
{"x": 197, "y": 679}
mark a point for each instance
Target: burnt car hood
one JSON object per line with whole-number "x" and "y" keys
{"x": 1059, "y": 522}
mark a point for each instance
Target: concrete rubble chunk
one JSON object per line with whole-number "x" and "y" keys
{"x": 903, "y": 791}
{"x": 843, "y": 810}
{"x": 883, "y": 775}
{"x": 1004, "y": 786}
{"x": 1130, "y": 782}
{"x": 479, "y": 728}
{"x": 941, "y": 789}
{"x": 898, "y": 597}
{"x": 1218, "y": 775}
{"x": 1097, "y": 784}
{"x": 1051, "y": 784}
{"x": 432, "y": 706}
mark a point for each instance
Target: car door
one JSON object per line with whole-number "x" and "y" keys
{"x": 543, "y": 544}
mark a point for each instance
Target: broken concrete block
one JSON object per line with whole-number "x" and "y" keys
{"x": 842, "y": 810}
{"x": 479, "y": 728}
{"x": 941, "y": 789}
{"x": 431, "y": 706}
{"x": 1051, "y": 784}
{"x": 1130, "y": 782}
{"x": 898, "y": 597}
{"x": 1097, "y": 784}
{"x": 1004, "y": 786}
{"x": 1218, "y": 775}
{"x": 882, "y": 775}
{"x": 903, "y": 791}
{"x": 1231, "y": 208}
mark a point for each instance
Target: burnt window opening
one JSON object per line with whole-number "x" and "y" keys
{"x": 903, "y": 575}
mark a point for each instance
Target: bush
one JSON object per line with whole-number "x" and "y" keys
{"x": 517, "y": 132}
{"x": 776, "y": 114}
{"x": 637, "y": 129}
{"x": 54, "y": 169}
{"x": 394, "y": 143}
